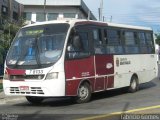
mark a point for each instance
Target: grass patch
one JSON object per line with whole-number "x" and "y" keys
{"x": 1, "y": 87}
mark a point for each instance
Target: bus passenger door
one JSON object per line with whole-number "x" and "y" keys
{"x": 104, "y": 64}
{"x": 79, "y": 64}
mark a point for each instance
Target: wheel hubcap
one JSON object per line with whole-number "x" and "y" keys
{"x": 134, "y": 84}
{"x": 83, "y": 92}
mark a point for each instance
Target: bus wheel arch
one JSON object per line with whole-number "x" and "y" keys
{"x": 134, "y": 83}
{"x": 84, "y": 92}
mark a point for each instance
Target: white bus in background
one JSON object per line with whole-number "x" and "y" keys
{"x": 77, "y": 58}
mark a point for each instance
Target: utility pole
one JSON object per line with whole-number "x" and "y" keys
{"x": 111, "y": 19}
{"x": 44, "y": 10}
{"x": 89, "y": 15}
{"x": 101, "y": 10}
{"x": 104, "y": 19}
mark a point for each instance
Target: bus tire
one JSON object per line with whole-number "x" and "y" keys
{"x": 84, "y": 93}
{"x": 34, "y": 100}
{"x": 134, "y": 84}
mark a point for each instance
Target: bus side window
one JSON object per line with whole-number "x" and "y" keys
{"x": 78, "y": 46}
{"x": 142, "y": 41}
{"x": 85, "y": 41}
{"x": 114, "y": 45}
{"x": 97, "y": 37}
{"x": 105, "y": 37}
{"x": 136, "y": 38}
{"x": 150, "y": 42}
{"x": 131, "y": 46}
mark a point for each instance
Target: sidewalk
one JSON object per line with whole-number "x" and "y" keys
{"x": 8, "y": 99}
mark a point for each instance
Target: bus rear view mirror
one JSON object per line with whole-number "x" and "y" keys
{"x": 69, "y": 48}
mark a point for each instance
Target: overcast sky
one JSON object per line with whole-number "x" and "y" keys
{"x": 135, "y": 12}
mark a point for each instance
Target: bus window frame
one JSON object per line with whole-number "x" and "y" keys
{"x": 119, "y": 45}
{"x": 101, "y": 39}
{"x": 136, "y": 41}
{"x": 75, "y": 30}
{"x": 146, "y": 45}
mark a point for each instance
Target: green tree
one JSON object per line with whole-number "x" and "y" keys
{"x": 1, "y": 54}
{"x": 8, "y": 31}
{"x": 157, "y": 35}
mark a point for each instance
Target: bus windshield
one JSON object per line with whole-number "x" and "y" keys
{"x": 37, "y": 46}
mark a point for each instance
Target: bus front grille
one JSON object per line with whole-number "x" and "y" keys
{"x": 33, "y": 90}
{"x": 26, "y": 77}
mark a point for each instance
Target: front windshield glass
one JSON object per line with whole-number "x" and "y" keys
{"x": 37, "y": 45}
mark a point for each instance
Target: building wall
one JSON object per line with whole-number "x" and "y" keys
{"x": 60, "y": 11}
{"x": 51, "y": 2}
{"x": 11, "y": 10}
{"x": 60, "y": 7}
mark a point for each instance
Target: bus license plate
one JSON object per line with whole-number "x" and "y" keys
{"x": 24, "y": 88}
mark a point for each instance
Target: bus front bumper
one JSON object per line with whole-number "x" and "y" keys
{"x": 46, "y": 88}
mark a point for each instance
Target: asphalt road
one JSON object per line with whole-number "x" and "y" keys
{"x": 104, "y": 103}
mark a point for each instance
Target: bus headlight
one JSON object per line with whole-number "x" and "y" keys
{"x": 53, "y": 75}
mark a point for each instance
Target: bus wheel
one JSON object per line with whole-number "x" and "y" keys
{"x": 84, "y": 93}
{"x": 134, "y": 84}
{"x": 34, "y": 100}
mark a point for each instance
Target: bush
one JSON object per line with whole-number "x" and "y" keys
{"x": 1, "y": 54}
{"x": 1, "y": 86}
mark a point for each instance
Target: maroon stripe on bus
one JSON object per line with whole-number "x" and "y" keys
{"x": 91, "y": 23}
{"x": 110, "y": 83}
{"x": 15, "y": 71}
{"x": 72, "y": 87}
{"x": 79, "y": 68}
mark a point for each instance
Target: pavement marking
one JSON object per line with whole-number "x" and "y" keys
{"x": 119, "y": 113}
